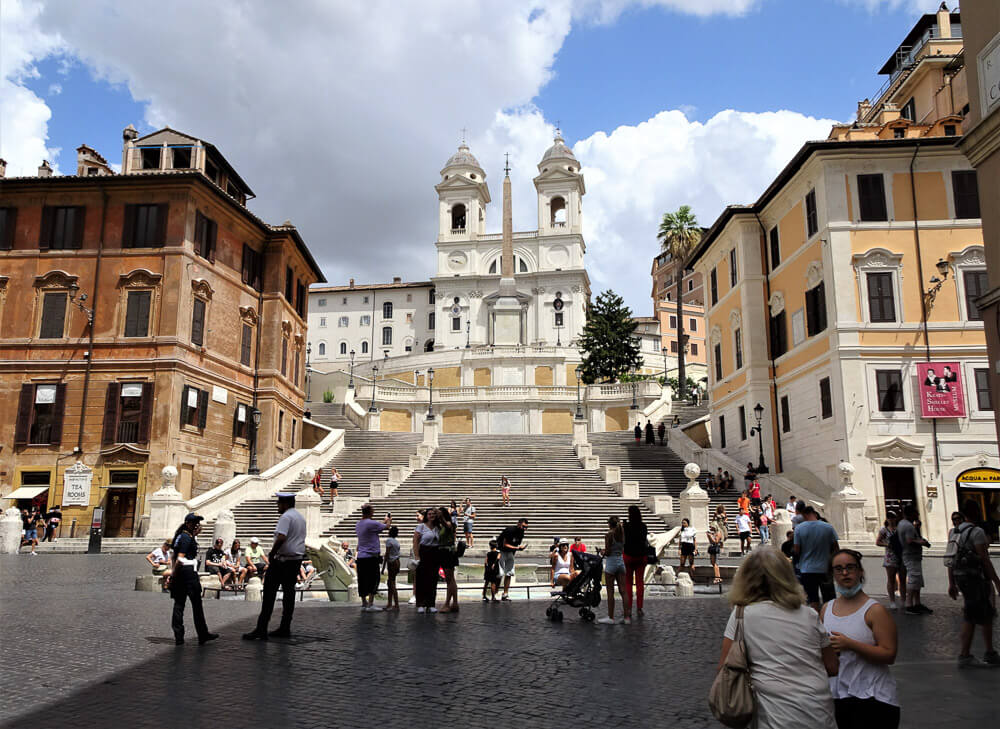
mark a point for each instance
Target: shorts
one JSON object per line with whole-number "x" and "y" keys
{"x": 890, "y": 559}
{"x": 221, "y": 571}
{"x": 469, "y": 524}
{"x": 449, "y": 558}
{"x": 160, "y": 569}
{"x": 744, "y": 535}
{"x": 755, "y": 501}
{"x": 507, "y": 564}
{"x": 978, "y": 596}
{"x": 31, "y": 534}
{"x": 811, "y": 582}
{"x": 505, "y": 491}
{"x": 914, "y": 571}
{"x": 687, "y": 549}
{"x": 614, "y": 565}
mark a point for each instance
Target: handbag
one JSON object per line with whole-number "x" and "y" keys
{"x": 460, "y": 548}
{"x": 731, "y": 697}
{"x": 651, "y": 557}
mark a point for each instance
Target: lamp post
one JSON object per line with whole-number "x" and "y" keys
{"x": 635, "y": 387}
{"x": 309, "y": 349}
{"x": 558, "y": 335}
{"x": 758, "y": 411}
{"x": 371, "y": 407}
{"x": 664, "y": 350}
{"x": 351, "y": 383}
{"x": 931, "y": 293}
{"x": 430, "y": 393}
{"x": 579, "y": 410}
{"x": 253, "y": 469}
{"x": 467, "y": 331}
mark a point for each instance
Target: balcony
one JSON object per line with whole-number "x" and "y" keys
{"x": 128, "y": 432}
{"x": 41, "y": 434}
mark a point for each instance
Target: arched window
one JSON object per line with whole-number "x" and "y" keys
{"x": 322, "y": 349}
{"x": 557, "y": 207}
{"x": 522, "y": 267}
{"x": 386, "y": 336}
{"x": 519, "y": 264}
{"x": 458, "y": 217}
{"x": 429, "y": 345}
{"x": 343, "y": 347}
{"x": 430, "y": 296}
{"x": 387, "y": 310}
{"x": 364, "y": 348}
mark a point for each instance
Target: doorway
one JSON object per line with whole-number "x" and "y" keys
{"x": 119, "y": 516}
{"x": 899, "y": 488}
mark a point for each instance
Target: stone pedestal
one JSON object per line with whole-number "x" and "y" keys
{"x": 660, "y": 504}
{"x": 850, "y": 505}
{"x": 579, "y": 432}
{"x": 254, "y": 590}
{"x": 149, "y": 583}
{"x": 432, "y": 429}
{"x": 381, "y": 489}
{"x": 167, "y": 508}
{"x": 398, "y": 473}
{"x": 634, "y": 416}
{"x": 780, "y": 526}
{"x": 611, "y": 474}
{"x": 10, "y": 531}
{"x": 685, "y": 586}
{"x": 308, "y": 502}
{"x": 225, "y": 526}
{"x": 627, "y": 489}
{"x": 667, "y": 576}
{"x": 694, "y": 500}
{"x": 373, "y": 421}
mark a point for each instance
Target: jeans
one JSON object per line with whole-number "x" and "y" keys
{"x": 635, "y": 567}
{"x": 765, "y": 533}
{"x": 281, "y": 573}
{"x": 185, "y": 585}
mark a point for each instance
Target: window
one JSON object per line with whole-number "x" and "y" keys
{"x": 62, "y": 227}
{"x": 128, "y": 412}
{"x": 53, "y": 316}
{"x": 8, "y": 219}
{"x": 975, "y": 286}
{"x": 137, "y": 313}
{"x": 775, "y": 248}
{"x": 430, "y": 296}
{"x": 364, "y": 300}
{"x": 673, "y": 321}
{"x": 344, "y": 300}
{"x": 899, "y": 133}
{"x": 692, "y": 325}
{"x": 673, "y": 346}
{"x": 387, "y": 336}
{"x": 738, "y": 348}
{"x": 558, "y": 319}
{"x": 300, "y": 299}
{"x": 691, "y": 285}
{"x": 291, "y": 435}
{"x": 984, "y": 397}
{"x": 322, "y": 321}
{"x": 965, "y": 189}
{"x": 150, "y": 157}
{"x": 430, "y": 320}
{"x": 881, "y": 298}
{"x": 40, "y": 412}
{"x": 694, "y": 349}
{"x": 198, "y": 323}
{"x": 871, "y": 196}
{"x": 145, "y": 226}
{"x": 779, "y": 335}
{"x": 387, "y": 310}
{"x": 950, "y": 130}
{"x": 733, "y": 272}
{"x": 205, "y": 230}
{"x": 298, "y": 365}
{"x": 816, "y": 309}
{"x": 714, "y": 286}
{"x": 825, "y": 399}
{"x": 364, "y": 348}
{"x": 722, "y": 431}
{"x": 456, "y": 324}
{"x": 889, "y": 384}
{"x": 322, "y": 349}
{"x": 409, "y": 317}
{"x": 409, "y": 298}
{"x": 743, "y": 423}
{"x": 181, "y": 158}
{"x": 281, "y": 424}
{"x": 321, "y": 303}
{"x": 812, "y": 216}
{"x": 241, "y": 421}
{"x": 194, "y": 407}
{"x": 253, "y": 267}
{"x": 343, "y": 322}
{"x": 246, "y": 345}
{"x": 284, "y": 357}
{"x": 909, "y": 110}
{"x": 343, "y": 348}
{"x": 366, "y": 320}
{"x": 289, "y": 284}
{"x": 786, "y": 417}
{"x": 717, "y": 350}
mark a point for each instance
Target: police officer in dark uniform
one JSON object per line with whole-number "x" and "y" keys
{"x": 184, "y": 582}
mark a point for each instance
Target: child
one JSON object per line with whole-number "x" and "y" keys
{"x": 391, "y": 562}
{"x": 491, "y": 572}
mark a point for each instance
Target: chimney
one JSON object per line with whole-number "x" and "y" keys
{"x": 864, "y": 107}
{"x": 351, "y": 284}
{"x": 129, "y": 134}
{"x": 45, "y": 169}
{"x": 3, "y": 168}
{"x": 943, "y": 21}
{"x": 397, "y": 279}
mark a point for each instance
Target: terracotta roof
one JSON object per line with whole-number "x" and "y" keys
{"x": 370, "y": 287}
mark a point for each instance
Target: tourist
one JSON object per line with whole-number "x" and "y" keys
{"x": 159, "y": 559}
{"x": 710, "y": 485}
{"x": 491, "y": 572}
{"x": 728, "y": 482}
{"x": 348, "y": 554}
{"x": 800, "y": 513}
{"x": 305, "y": 571}
{"x": 637, "y": 432}
{"x": 766, "y": 517}
{"x": 815, "y": 541}
{"x": 892, "y": 561}
{"x": 749, "y": 476}
{"x": 510, "y": 542}
{"x": 256, "y": 558}
{"x": 754, "y": 493}
{"x": 790, "y": 507}
{"x": 413, "y": 564}
{"x": 470, "y": 522}
{"x": 561, "y": 565}
{"x": 788, "y": 549}
{"x": 971, "y": 572}
{"x": 578, "y": 545}
{"x": 53, "y": 517}
{"x": 636, "y": 556}
{"x": 913, "y": 556}
{"x": 650, "y": 435}
{"x": 715, "y": 540}
{"x": 317, "y": 484}
{"x": 391, "y": 567}
{"x": 215, "y": 563}
{"x": 661, "y": 431}
{"x": 743, "y": 502}
{"x": 425, "y": 554}
{"x": 285, "y": 558}
{"x": 689, "y": 539}
{"x": 720, "y": 478}
{"x": 788, "y": 650}
{"x": 864, "y": 635}
{"x": 743, "y": 529}
{"x": 334, "y": 483}
{"x": 30, "y": 534}
{"x": 614, "y": 566}
{"x": 369, "y": 557}
{"x": 505, "y": 490}
{"x": 453, "y": 513}
{"x": 234, "y": 561}
{"x": 448, "y": 557}
{"x": 184, "y": 582}
{"x": 721, "y": 522}
{"x": 675, "y": 422}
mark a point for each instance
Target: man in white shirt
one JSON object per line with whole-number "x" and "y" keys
{"x": 790, "y": 507}
{"x": 159, "y": 558}
{"x": 285, "y": 561}
{"x": 743, "y": 527}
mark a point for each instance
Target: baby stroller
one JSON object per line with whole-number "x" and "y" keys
{"x": 583, "y": 591}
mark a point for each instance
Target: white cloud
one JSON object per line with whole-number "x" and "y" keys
{"x": 917, "y": 7}
{"x": 55, "y": 89}
{"x": 607, "y": 11}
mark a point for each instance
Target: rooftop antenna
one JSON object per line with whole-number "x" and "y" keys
{"x": 506, "y": 165}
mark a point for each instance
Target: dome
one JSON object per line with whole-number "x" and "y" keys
{"x": 558, "y": 150}
{"x": 463, "y": 158}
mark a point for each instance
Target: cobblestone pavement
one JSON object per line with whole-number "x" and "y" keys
{"x": 82, "y": 649}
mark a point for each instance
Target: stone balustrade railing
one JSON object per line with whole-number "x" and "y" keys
{"x": 549, "y": 393}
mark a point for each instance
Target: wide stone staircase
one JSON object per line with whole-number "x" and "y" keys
{"x": 330, "y": 414}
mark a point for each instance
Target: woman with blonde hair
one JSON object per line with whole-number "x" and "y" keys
{"x": 787, "y": 647}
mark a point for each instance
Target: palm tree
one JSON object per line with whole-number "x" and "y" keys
{"x": 678, "y": 235}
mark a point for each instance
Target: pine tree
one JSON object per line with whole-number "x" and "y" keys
{"x": 607, "y": 344}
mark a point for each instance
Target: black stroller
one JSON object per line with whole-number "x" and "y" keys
{"x": 583, "y": 591}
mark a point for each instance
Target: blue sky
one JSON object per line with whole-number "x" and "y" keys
{"x": 340, "y": 116}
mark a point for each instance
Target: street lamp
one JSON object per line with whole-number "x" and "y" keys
{"x": 309, "y": 349}
{"x": 351, "y": 383}
{"x": 430, "y": 393}
{"x": 579, "y": 410}
{"x": 757, "y": 430}
{"x": 558, "y": 334}
{"x": 664, "y": 350}
{"x": 371, "y": 407}
{"x": 931, "y": 293}
{"x": 467, "y": 330}
{"x": 253, "y": 469}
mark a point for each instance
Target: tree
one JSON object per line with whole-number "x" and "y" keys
{"x": 607, "y": 343}
{"x": 678, "y": 235}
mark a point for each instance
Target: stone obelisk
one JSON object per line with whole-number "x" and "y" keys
{"x": 507, "y": 310}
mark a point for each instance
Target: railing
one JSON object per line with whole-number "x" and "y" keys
{"x": 489, "y": 393}
{"x": 517, "y": 236}
{"x": 458, "y": 231}
{"x": 526, "y": 350}
{"x": 41, "y": 434}
{"x": 559, "y": 224}
{"x": 128, "y": 432}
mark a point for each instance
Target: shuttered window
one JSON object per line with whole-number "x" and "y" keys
{"x": 289, "y": 283}
{"x": 733, "y": 270}
{"x": 889, "y": 384}
{"x": 714, "y": 286}
{"x": 145, "y": 226}
{"x": 738, "y": 348}
{"x": 62, "y": 227}
{"x": 812, "y": 215}
{"x": 137, "y": 313}
{"x": 53, "y": 316}
{"x": 743, "y": 423}
{"x": 295, "y": 374}
{"x": 205, "y": 231}
{"x": 194, "y": 407}
{"x": 825, "y": 399}
{"x": 386, "y": 336}
{"x": 8, "y": 220}
{"x": 779, "y": 335}
{"x": 984, "y": 397}
{"x": 253, "y": 267}
{"x": 241, "y": 420}
{"x": 966, "y": 192}
{"x": 786, "y": 415}
{"x": 975, "y": 286}
{"x": 41, "y": 409}
{"x": 246, "y": 345}
{"x": 775, "y": 242}
{"x": 881, "y": 298}
{"x": 300, "y": 299}
{"x": 128, "y": 412}
{"x": 871, "y": 198}
{"x": 722, "y": 431}
{"x": 816, "y": 309}
{"x": 717, "y": 352}
{"x": 198, "y": 323}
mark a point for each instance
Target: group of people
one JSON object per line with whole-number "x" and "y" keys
{"x": 650, "y": 433}
{"x": 35, "y": 522}
{"x": 317, "y": 483}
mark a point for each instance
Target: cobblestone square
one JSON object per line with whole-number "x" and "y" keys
{"x": 84, "y": 650}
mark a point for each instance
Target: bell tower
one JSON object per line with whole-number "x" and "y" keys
{"x": 462, "y": 197}
{"x": 560, "y": 189}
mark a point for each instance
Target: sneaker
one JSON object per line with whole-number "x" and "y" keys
{"x": 485, "y": 599}
{"x": 913, "y": 610}
{"x": 892, "y": 605}
{"x": 254, "y": 635}
{"x": 421, "y": 609}
{"x": 627, "y": 621}
{"x": 505, "y": 597}
{"x": 607, "y": 621}
{"x": 971, "y": 661}
{"x": 280, "y": 633}
{"x": 992, "y": 658}
{"x": 375, "y": 609}
{"x": 412, "y": 601}
{"x": 924, "y": 610}
{"x": 432, "y": 610}
{"x": 34, "y": 554}
{"x": 203, "y": 639}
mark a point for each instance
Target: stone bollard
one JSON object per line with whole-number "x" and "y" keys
{"x": 850, "y": 503}
{"x": 685, "y": 587}
{"x": 667, "y": 576}
{"x": 254, "y": 590}
{"x": 10, "y": 531}
{"x": 167, "y": 508}
{"x": 225, "y": 528}
{"x": 579, "y": 432}
{"x": 780, "y": 526}
{"x": 694, "y": 500}
{"x": 308, "y": 502}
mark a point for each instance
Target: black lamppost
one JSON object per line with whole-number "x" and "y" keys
{"x": 351, "y": 383}
{"x": 558, "y": 335}
{"x": 635, "y": 387}
{"x": 467, "y": 331}
{"x": 309, "y": 349}
{"x": 579, "y": 410}
{"x": 371, "y": 407}
{"x": 757, "y": 430}
{"x": 664, "y": 350}
{"x": 253, "y": 469}
{"x": 430, "y": 393}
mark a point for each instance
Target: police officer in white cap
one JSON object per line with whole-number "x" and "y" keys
{"x": 184, "y": 582}
{"x": 285, "y": 560}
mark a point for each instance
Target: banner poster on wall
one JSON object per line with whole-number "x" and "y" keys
{"x": 939, "y": 385}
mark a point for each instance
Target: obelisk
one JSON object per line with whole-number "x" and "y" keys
{"x": 507, "y": 310}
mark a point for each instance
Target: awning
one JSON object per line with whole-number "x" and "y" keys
{"x": 27, "y": 492}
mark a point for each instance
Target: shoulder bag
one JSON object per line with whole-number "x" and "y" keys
{"x": 731, "y": 696}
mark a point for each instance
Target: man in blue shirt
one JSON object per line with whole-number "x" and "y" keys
{"x": 815, "y": 541}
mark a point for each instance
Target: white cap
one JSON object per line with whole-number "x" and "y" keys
{"x": 254, "y": 540}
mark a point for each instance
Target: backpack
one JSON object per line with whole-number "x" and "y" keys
{"x": 966, "y": 558}
{"x": 896, "y": 546}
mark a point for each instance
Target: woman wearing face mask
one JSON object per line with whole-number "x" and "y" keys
{"x": 864, "y": 634}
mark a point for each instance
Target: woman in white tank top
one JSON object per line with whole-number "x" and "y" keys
{"x": 864, "y": 635}
{"x": 561, "y": 564}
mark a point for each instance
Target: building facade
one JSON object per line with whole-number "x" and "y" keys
{"x": 143, "y": 318}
